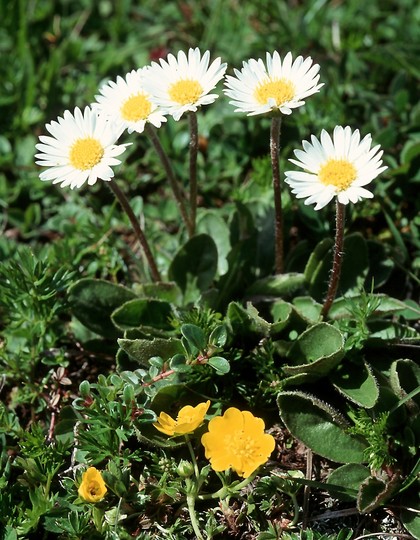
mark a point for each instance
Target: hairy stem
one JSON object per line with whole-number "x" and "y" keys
{"x": 193, "y": 516}
{"x": 122, "y": 199}
{"x": 192, "y": 118}
{"x": 275, "y": 166}
{"x": 178, "y": 194}
{"x": 338, "y": 258}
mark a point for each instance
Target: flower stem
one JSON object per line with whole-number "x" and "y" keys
{"x": 194, "y": 461}
{"x": 136, "y": 227}
{"x": 295, "y": 510}
{"x": 192, "y": 118}
{"x": 193, "y": 516}
{"x": 227, "y": 489}
{"x": 338, "y": 258}
{"x": 179, "y": 196}
{"x": 275, "y": 166}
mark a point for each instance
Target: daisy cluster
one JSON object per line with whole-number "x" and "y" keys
{"x": 82, "y": 145}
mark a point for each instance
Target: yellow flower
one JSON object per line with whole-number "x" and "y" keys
{"x": 92, "y": 489}
{"x": 188, "y": 420}
{"x": 237, "y": 440}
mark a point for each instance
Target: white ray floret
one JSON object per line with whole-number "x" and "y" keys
{"x": 81, "y": 149}
{"x": 126, "y": 103}
{"x": 183, "y": 83}
{"x": 277, "y": 85}
{"x": 338, "y": 166}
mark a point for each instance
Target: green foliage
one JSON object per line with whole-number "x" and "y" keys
{"x": 374, "y": 431}
{"x": 91, "y": 352}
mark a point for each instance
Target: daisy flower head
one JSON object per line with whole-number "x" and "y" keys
{"x": 126, "y": 103}
{"x": 182, "y": 83}
{"x": 81, "y": 149}
{"x": 338, "y": 166}
{"x": 276, "y": 86}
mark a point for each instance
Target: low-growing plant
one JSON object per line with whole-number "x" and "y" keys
{"x": 159, "y": 371}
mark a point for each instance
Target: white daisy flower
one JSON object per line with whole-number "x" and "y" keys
{"x": 183, "y": 84}
{"x": 335, "y": 167}
{"x": 126, "y": 103}
{"x": 82, "y": 148}
{"x": 277, "y": 86}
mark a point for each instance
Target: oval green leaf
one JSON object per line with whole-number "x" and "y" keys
{"x": 94, "y": 300}
{"x": 319, "y": 427}
{"x": 316, "y": 351}
{"x": 143, "y": 312}
{"x": 357, "y": 383}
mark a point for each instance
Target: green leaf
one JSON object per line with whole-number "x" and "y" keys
{"x": 307, "y": 308}
{"x": 9, "y": 533}
{"x": 246, "y": 321}
{"x": 94, "y": 300}
{"x": 219, "y": 364}
{"x": 195, "y": 264}
{"x": 342, "y": 307}
{"x": 213, "y": 225}
{"x": 402, "y": 248}
{"x": 178, "y": 363}
{"x": 319, "y": 341}
{"x": 218, "y": 336}
{"x": 410, "y": 519}
{"x": 354, "y": 269}
{"x": 380, "y": 265}
{"x": 393, "y": 331}
{"x": 279, "y": 285}
{"x": 315, "y": 353}
{"x": 316, "y": 261}
{"x": 143, "y": 312}
{"x": 410, "y": 151}
{"x": 194, "y": 335}
{"x": 373, "y": 492}
{"x": 357, "y": 383}
{"x": 349, "y": 476}
{"x": 320, "y": 427}
{"x": 355, "y": 264}
{"x": 281, "y": 312}
{"x": 404, "y": 378}
{"x": 140, "y": 350}
{"x": 166, "y": 291}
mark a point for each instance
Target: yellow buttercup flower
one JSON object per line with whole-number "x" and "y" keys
{"x": 92, "y": 489}
{"x": 188, "y": 420}
{"x": 237, "y": 441}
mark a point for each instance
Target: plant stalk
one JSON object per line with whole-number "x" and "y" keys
{"x": 122, "y": 199}
{"x": 179, "y": 196}
{"x": 193, "y": 516}
{"x": 275, "y": 166}
{"x": 338, "y": 258}
{"x": 192, "y": 119}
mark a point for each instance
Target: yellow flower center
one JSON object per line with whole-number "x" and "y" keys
{"x": 240, "y": 445}
{"x": 136, "y": 107}
{"x": 185, "y": 91}
{"x": 337, "y": 172}
{"x": 94, "y": 489}
{"x": 86, "y": 153}
{"x": 281, "y": 90}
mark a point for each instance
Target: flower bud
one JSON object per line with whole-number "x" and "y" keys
{"x": 185, "y": 469}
